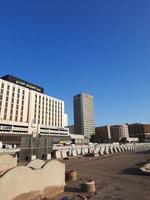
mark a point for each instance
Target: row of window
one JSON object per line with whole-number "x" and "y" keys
{"x": 47, "y": 111}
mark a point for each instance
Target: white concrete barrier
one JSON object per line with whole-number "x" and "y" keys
{"x": 31, "y": 157}
{"x": 122, "y": 147}
{"x": 1, "y": 145}
{"x": 118, "y": 148}
{"x": 79, "y": 151}
{"x": 91, "y": 150}
{"x": 86, "y": 150}
{"x": 106, "y": 150}
{"x": 83, "y": 151}
{"x": 96, "y": 150}
{"x": 101, "y": 151}
{"x": 58, "y": 154}
{"x": 115, "y": 149}
{"x": 64, "y": 153}
{"x": 111, "y": 149}
{"x": 74, "y": 152}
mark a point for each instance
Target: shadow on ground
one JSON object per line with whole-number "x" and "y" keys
{"x": 131, "y": 171}
{"x": 142, "y": 152}
{"x": 135, "y": 170}
{"x": 72, "y": 189}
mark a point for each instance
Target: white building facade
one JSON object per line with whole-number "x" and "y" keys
{"x": 25, "y": 109}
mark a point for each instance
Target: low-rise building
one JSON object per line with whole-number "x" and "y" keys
{"x": 139, "y": 130}
{"x": 104, "y": 133}
{"x": 112, "y": 133}
{"x": 118, "y": 132}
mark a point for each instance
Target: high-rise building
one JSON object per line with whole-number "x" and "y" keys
{"x": 84, "y": 115}
{"x": 26, "y": 109}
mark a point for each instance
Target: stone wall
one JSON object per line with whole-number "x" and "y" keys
{"x": 22, "y": 182}
{"x": 7, "y": 162}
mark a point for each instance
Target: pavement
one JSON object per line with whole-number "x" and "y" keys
{"x": 117, "y": 177}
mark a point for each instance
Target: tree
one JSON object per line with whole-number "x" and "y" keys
{"x": 95, "y": 138}
{"x": 123, "y": 140}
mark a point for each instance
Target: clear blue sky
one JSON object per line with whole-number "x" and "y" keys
{"x": 72, "y": 46}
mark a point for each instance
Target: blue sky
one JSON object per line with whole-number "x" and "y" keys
{"x": 72, "y": 46}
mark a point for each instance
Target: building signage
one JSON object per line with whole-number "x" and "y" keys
{"x": 30, "y": 86}
{"x": 23, "y": 83}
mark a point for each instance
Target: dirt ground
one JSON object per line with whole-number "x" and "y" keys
{"x": 117, "y": 176}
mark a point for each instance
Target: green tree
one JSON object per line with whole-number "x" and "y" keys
{"x": 95, "y": 138}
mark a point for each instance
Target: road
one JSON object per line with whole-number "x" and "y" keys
{"x": 117, "y": 176}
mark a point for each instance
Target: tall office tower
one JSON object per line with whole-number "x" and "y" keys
{"x": 84, "y": 115}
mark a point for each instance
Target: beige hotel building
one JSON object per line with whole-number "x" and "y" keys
{"x": 26, "y": 109}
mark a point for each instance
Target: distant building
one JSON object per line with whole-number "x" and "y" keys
{"x": 118, "y": 132}
{"x": 84, "y": 115}
{"x": 112, "y": 133}
{"x": 141, "y": 131}
{"x": 104, "y": 133}
{"x": 65, "y": 120}
{"x": 25, "y": 109}
{"x": 71, "y": 129}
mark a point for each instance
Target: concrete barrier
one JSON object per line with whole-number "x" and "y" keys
{"x": 7, "y": 162}
{"x": 96, "y": 150}
{"x": 101, "y": 151}
{"x": 83, "y": 151}
{"x": 64, "y": 154}
{"x": 91, "y": 150}
{"x": 111, "y": 149}
{"x": 46, "y": 156}
{"x": 86, "y": 150}
{"x": 79, "y": 151}
{"x": 115, "y": 149}
{"x": 106, "y": 150}
{"x": 57, "y": 154}
{"x": 24, "y": 183}
{"x": 36, "y": 164}
{"x": 74, "y": 152}
{"x": 118, "y": 148}
{"x": 1, "y": 145}
{"x": 145, "y": 169}
{"x": 122, "y": 147}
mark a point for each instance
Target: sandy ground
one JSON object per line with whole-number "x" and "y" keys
{"x": 117, "y": 176}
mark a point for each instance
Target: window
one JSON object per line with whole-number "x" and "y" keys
{"x": 2, "y": 86}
